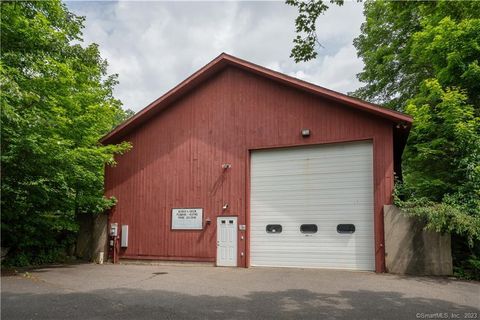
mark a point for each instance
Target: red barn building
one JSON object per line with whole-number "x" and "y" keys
{"x": 244, "y": 166}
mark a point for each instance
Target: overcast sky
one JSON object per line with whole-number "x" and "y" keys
{"x": 155, "y": 45}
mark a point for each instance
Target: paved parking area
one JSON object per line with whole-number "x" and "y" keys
{"x": 88, "y": 291}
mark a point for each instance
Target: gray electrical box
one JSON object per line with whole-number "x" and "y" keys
{"x": 113, "y": 229}
{"x": 124, "y": 242}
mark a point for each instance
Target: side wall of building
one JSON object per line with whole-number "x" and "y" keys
{"x": 177, "y": 157}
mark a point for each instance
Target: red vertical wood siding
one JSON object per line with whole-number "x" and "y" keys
{"x": 177, "y": 157}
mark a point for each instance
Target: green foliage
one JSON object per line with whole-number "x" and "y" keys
{"x": 422, "y": 57}
{"x": 443, "y": 152}
{"x": 404, "y": 43}
{"x": 466, "y": 258}
{"x": 306, "y": 39}
{"x": 471, "y": 269}
{"x": 442, "y": 170}
{"x": 56, "y": 102}
{"x": 449, "y": 215}
{"x": 56, "y": 254}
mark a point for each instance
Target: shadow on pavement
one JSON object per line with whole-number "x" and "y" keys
{"x": 11, "y": 271}
{"x": 444, "y": 280}
{"x": 126, "y": 303}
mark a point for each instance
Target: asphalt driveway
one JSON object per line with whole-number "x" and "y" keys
{"x": 88, "y": 291}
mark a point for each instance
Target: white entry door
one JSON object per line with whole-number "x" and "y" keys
{"x": 227, "y": 241}
{"x": 313, "y": 207}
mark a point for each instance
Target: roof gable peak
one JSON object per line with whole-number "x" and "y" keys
{"x": 225, "y": 59}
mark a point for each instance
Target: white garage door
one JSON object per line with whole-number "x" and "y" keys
{"x": 313, "y": 207}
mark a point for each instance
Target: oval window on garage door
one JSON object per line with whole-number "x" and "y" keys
{"x": 308, "y": 228}
{"x": 346, "y": 228}
{"x": 274, "y": 228}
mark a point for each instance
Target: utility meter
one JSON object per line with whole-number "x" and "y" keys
{"x": 113, "y": 229}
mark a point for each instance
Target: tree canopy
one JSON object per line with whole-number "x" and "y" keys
{"x": 422, "y": 58}
{"x": 403, "y": 43}
{"x": 306, "y": 40}
{"x": 56, "y": 102}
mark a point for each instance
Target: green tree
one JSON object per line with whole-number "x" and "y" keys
{"x": 56, "y": 102}
{"x": 441, "y": 166}
{"x": 306, "y": 40}
{"x": 422, "y": 57}
{"x": 442, "y": 172}
{"x": 403, "y": 43}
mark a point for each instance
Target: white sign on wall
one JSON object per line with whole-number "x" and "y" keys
{"x": 187, "y": 219}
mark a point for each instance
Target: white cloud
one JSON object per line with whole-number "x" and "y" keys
{"x": 155, "y": 45}
{"x": 335, "y": 71}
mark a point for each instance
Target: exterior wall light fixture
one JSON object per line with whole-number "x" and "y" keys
{"x": 305, "y": 133}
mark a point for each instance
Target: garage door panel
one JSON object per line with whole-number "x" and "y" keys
{"x": 291, "y": 226}
{"x": 285, "y": 237}
{"x": 335, "y": 178}
{"x": 325, "y": 208}
{"x": 322, "y": 185}
{"x": 279, "y": 255}
{"x": 289, "y": 154}
{"x": 309, "y": 214}
{"x": 297, "y": 174}
{"x": 310, "y": 164}
{"x": 339, "y": 264}
{"x": 289, "y": 249}
{"x": 334, "y": 193}
{"x": 294, "y": 241}
{"x": 282, "y": 202}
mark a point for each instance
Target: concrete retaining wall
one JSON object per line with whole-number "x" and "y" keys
{"x": 409, "y": 249}
{"x": 92, "y": 237}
